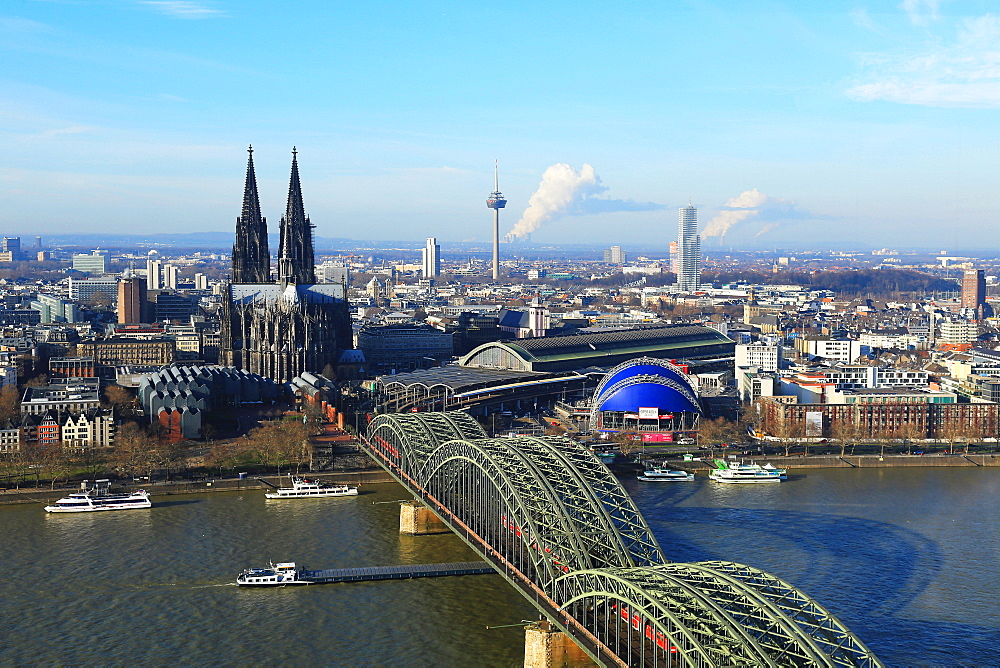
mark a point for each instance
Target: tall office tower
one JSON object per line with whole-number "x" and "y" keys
{"x": 688, "y": 249}
{"x": 614, "y": 255}
{"x": 496, "y": 202}
{"x": 200, "y": 281}
{"x": 282, "y": 329}
{"x": 154, "y": 274}
{"x": 251, "y": 257}
{"x": 12, "y": 245}
{"x": 431, "y": 258}
{"x": 296, "y": 260}
{"x": 170, "y": 273}
{"x": 132, "y": 303}
{"x": 38, "y": 243}
{"x": 673, "y": 257}
{"x": 973, "y": 288}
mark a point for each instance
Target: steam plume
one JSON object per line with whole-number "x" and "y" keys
{"x": 750, "y": 205}
{"x": 563, "y": 191}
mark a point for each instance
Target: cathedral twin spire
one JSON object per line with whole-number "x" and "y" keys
{"x": 251, "y": 257}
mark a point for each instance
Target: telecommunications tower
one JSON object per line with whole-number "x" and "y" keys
{"x": 496, "y": 202}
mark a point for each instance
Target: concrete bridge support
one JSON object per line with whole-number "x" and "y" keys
{"x": 547, "y": 647}
{"x": 417, "y": 519}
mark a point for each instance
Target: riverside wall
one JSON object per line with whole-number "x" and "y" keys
{"x": 858, "y": 461}
{"x": 200, "y": 486}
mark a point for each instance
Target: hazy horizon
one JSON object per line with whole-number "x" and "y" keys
{"x": 786, "y": 124}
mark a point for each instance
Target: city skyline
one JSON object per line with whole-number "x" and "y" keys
{"x": 839, "y": 121}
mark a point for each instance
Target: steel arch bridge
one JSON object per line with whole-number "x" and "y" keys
{"x": 550, "y": 517}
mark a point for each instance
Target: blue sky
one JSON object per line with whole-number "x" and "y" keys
{"x": 875, "y": 123}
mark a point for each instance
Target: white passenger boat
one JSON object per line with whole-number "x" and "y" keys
{"x": 99, "y": 497}
{"x": 275, "y": 575}
{"x": 304, "y": 488}
{"x": 746, "y": 473}
{"x": 659, "y": 474}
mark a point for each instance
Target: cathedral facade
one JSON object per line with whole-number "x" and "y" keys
{"x": 280, "y": 328}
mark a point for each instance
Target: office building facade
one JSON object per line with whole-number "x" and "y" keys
{"x": 94, "y": 263}
{"x": 431, "y": 258}
{"x": 688, "y": 249}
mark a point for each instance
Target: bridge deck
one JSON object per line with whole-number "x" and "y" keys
{"x": 397, "y": 572}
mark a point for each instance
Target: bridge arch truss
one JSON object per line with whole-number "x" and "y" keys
{"x": 556, "y": 523}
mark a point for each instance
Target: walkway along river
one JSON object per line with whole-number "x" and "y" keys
{"x": 903, "y": 556}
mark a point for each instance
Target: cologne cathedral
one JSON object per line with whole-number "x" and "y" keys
{"x": 280, "y": 328}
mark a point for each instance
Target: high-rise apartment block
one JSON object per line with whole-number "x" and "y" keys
{"x": 431, "y": 258}
{"x": 615, "y": 255}
{"x": 154, "y": 274}
{"x": 688, "y": 249}
{"x": 973, "y": 288}
{"x": 133, "y": 306}
{"x": 170, "y": 274}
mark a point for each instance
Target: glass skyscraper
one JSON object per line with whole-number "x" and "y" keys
{"x": 688, "y": 249}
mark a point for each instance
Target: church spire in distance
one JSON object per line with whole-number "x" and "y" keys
{"x": 251, "y": 257}
{"x": 296, "y": 258}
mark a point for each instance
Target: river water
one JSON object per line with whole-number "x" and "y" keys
{"x": 905, "y": 557}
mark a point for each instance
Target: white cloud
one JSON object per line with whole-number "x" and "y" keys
{"x": 71, "y": 130}
{"x": 183, "y": 9}
{"x": 963, "y": 71}
{"x": 921, "y": 12}
{"x": 861, "y": 18}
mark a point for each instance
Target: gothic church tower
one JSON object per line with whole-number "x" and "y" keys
{"x": 296, "y": 260}
{"x": 251, "y": 257}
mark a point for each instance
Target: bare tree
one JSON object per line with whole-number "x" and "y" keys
{"x": 121, "y": 400}
{"x": 909, "y": 432}
{"x": 627, "y": 443}
{"x": 10, "y": 403}
{"x": 787, "y": 431}
{"x": 56, "y": 463}
{"x": 133, "y": 454}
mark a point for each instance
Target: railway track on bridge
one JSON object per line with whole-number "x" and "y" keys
{"x": 550, "y": 518}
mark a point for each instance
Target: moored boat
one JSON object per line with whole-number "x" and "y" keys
{"x": 304, "y": 488}
{"x": 659, "y": 474}
{"x": 746, "y": 473}
{"x": 275, "y": 575}
{"x": 98, "y": 498}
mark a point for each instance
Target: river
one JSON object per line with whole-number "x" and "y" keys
{"x": 905, "y": 557}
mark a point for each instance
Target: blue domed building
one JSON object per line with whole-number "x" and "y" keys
{"x": 649, "y": 396}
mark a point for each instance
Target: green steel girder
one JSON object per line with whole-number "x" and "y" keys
{"x": 554, "y": 513}
{"x": 600, "y": 509}
{"x": 691, "y": 622}
{"x": 531, "y": 524}
{"x": 823, "y": 629}
{"x": 732, "y": 621}
{"x": 416, "y": 435}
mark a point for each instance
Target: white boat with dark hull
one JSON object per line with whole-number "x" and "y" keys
{"x": 304, "y": 488}
{"x": 659, "y": 474}
{"x": 275, "y": 575}
{"x": 99, "y": 498}
{"x": 746, "y": 473}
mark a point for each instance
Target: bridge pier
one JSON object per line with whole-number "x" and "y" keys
{"x": 547, "y": 647}
{"x": 417, "y": 519}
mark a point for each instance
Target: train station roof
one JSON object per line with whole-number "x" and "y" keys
{"x": 603, "y": 348}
